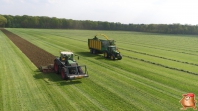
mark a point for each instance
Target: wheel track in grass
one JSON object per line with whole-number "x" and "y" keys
{"x": 154, "y": 46}
{"x": 161, "y": 65}
{"x": 167, "y": 50}
{"x": 143, "y": 53}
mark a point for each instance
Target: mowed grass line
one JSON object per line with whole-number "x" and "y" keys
{"x": 135, "y": 77}
{"x": 168, "y": 53}
{"x": 1, "y": 75}
{"x": 186, "y": 43}
{"x": 174, "y": 64}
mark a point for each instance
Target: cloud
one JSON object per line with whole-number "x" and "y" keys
{"x": 8, "y": 1}
{"x": 52, "y": 1}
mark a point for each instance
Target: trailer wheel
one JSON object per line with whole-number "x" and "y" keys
{"x": 91, "y": 51}
{"x": 94, "y": 51}
{"x": 105, "y": 55}
{"x": 63, "y": 75}
{"x": 56, "y": 68}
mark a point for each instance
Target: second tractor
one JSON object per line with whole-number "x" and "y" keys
{"x": 107, "y": 47}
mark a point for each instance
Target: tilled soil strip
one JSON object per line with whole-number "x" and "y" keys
{"x": 38, "y": 56}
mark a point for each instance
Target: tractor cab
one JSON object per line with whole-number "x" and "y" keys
{"x": 111, "y": 48}
{"x": 65, "y": 56}
{"x": 113, "y": 52}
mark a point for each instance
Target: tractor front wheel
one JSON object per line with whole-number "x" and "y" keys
{"x": 56, "y": 69}
{"x": 120, "y": 57}
{"x": 63, "y": 75}
{"x": 112, "y": 57}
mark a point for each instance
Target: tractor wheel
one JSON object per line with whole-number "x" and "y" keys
{"x": 105, "y": 55}
{"x": 63, "y": 75}
{"x": 112, "y": 57}
{"x": 120, "y": 57}
{"x": 91, "y": 51}
{"x": 56, "y": 68}
{"x": 80, "y": 71}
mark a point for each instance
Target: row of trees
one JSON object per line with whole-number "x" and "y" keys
{"x": 26, "y": 21}
{"x": 3, "y": 21}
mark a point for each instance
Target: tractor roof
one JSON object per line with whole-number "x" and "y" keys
{"x": 65, "y": 52}
{"x": 112, "y": 46}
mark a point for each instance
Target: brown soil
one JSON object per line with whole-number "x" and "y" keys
{"x": 38, "y": 56}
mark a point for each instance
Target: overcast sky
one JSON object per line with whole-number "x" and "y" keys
{"x": 123, "y": 11}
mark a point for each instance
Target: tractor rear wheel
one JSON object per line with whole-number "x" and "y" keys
{"x": 56, "y": 68}
{"x": 105, "y": 55}
{"x": 63, "y": 75}
{"x": 91, "y": 51}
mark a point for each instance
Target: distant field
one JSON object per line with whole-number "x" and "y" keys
{"x": 155, "y": 71}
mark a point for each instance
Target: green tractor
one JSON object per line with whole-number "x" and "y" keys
{"x": 112, "y": 53}
{"x": 68, "y": 67}
{"x": 107, "y": 47}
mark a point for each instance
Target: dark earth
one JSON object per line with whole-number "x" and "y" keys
{"x": 38, "y": 56}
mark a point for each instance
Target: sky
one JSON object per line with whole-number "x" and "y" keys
{"x": 122, "y": 11}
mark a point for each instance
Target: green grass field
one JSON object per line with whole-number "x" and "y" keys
{"x": 155, "y": 71}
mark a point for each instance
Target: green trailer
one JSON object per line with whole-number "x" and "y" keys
{"x": 106, "y": 47}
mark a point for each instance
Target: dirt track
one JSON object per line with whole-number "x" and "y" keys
{"x": 37, "y": 55}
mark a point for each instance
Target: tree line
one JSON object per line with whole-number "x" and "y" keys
{"x": 26, "y": 21}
